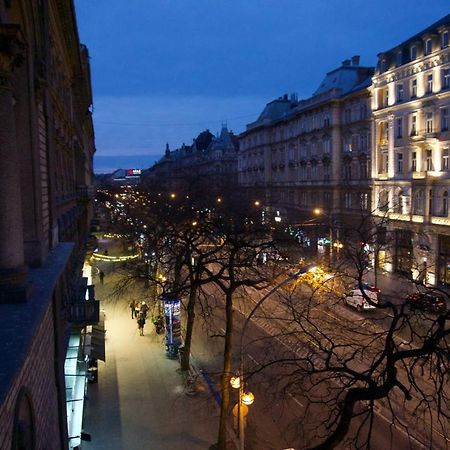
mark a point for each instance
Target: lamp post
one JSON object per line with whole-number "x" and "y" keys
{"x": 337, "y": 244}
{"x": 247, "y": 398}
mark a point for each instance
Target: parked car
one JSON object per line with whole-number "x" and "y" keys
{"x": 356, "y": 299}
{"x": 427, "y": 301}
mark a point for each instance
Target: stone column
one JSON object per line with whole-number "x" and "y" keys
{"x": 12, "y": 269}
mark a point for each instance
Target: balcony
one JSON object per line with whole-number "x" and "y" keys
{"x": 85, "y": 193}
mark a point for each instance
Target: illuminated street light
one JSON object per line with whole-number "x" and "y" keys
{"x": 245, "y": 397}
{"x": 194, "y": 223}
{"x": 172, "y": 195}
{"x": 257, "y": 203}
{"x": 219, "y": 200}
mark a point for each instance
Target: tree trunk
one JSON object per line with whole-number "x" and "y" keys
{"x": 190, "y": 309}
{"x": 225, "y": 387}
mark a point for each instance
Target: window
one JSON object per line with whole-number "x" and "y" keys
{"x": 314, "y": 172}
{"x": 444, "y": 39}
{"x": 383, "y": 200}
{"x": 348, "y": 200}
{"x": 445, "y": 204}
{"x": 445, "y": 78}
{"x": 363, "y": 170}
{"x": 398, "y": 59}
{"x": 413, "y": 131}
{"x": 429, "y": 87}
{"x": 414, "y": 88}
{"x": 363, "y": 142}
{"x": 384, "y": 162}
{"x": 399, "y": 127}
{"x": 444, "y": 164}
{"x": 347, "y": 115}
{"x": 428, "y": 46}
{"x": 326, "y": 171}
{"x": 399, "y": 162}
{"x": 414, "y": 161}
{"x": 413, "y": 53}
{"x": 429, "y": 159}
{"x": 326, "y": 146}
{"x": 418, "y": 202}
{"x": 364, "y": 201}
{"x": 399, "y": 92}
{"x": 429, "y": 122}
{"x": 430, "y": 202}
{"x": 326, "y": 122}
{"x": 363, "y": 111}
{"x": 386, "y": 97}
{"x": 347, "y": 143}
{"x": 347, "y": 170}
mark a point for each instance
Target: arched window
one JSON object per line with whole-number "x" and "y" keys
{"x": 445, "y": 204}
{"x": 23, "y": 429}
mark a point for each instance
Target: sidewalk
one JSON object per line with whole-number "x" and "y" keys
{"x": 139, "y": 402}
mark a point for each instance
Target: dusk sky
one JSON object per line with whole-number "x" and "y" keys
{"x": 165, "y": 70}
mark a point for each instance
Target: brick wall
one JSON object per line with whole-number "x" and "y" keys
{"x": 38, "y": 377}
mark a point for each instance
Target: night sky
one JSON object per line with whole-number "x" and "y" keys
{"x": 164, "y": 70}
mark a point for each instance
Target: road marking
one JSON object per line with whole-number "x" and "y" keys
{"x": 295, "y": 400}
{"x": 408, "y": 436}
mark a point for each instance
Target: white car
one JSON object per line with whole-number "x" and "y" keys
{"x": 356, "y": 299}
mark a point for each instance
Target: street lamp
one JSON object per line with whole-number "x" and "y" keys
{"x": 337, "y": 245}
{"x": 247, "y": 398}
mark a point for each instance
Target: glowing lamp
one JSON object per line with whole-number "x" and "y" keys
{"x": 247, "y": 398}
{"x": 235, "y": 382}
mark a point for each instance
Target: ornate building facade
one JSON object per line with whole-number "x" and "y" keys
{"x": 410, "y": 164}
{"x": 46, "y": 150}
{"x": 211, "y": 162}
{"x": 301, "y": 155}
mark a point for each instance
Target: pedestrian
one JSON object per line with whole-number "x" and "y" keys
{"x": 133, "y": 308}
{"x": 141, "y": 323}
{"x": 144, "y": 309}
{"x": 101, "y": 275}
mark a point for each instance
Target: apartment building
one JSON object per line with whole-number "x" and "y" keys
{"x": 300, "y": 155}
{"x": 46, "y": 150}
{"x": 410, "y": 162}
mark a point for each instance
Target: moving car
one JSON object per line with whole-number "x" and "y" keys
{"x": 356, "y": 299}
{"x": 427, "y": 301}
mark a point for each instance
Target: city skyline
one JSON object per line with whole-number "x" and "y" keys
{"x": 201, "y": 65}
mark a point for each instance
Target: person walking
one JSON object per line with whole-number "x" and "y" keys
{"x": 133, "y": 308}
{"x": 141, "y": 323}
{"x": 101, "y": 275}
{"x": 144, "y": 309}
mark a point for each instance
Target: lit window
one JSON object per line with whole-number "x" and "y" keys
{"x": 399, "y": 92}
{"x": 428, "y": 46}
{"x": 444, "y": 39}
{"x": 445, "y": 78}
{"x": 414, "y": 161}
{"x": 348, "y": 200}
{"x": 413, "y": 53}
{"x": 444, "y": 159}
{"x": 429, "y": 159}
{"x": 429, "y": 83}
{"x": 399, "y": 127}
{"x": 413, "y": 131}
{"x": 364, "y": 201}
{"x": 384, "y": 162}
{"x": 429, "y": 122}
{"x": 445, "y": 119}
{"x": 414, "y": 88}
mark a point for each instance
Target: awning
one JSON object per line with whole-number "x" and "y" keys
{"x": 97, "y": 343}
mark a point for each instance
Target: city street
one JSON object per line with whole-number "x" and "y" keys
{"x": 139, "y": 402}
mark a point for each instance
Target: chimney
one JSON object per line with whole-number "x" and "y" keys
{"x": 355, "y": 60}
{"x": 346, "y": 62}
